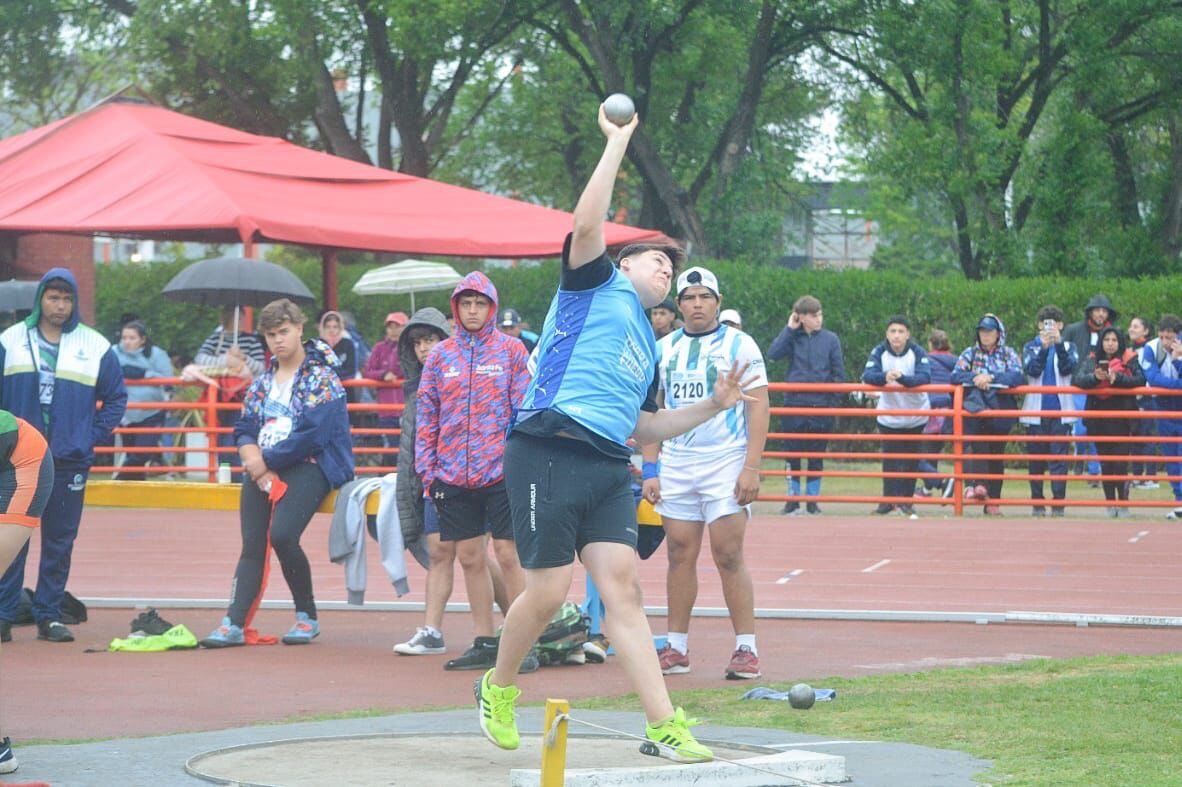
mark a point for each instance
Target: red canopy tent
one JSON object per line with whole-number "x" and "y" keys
{"x": 129, "y": 168}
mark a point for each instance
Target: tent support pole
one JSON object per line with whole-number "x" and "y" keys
{"x": 328, "y": 272}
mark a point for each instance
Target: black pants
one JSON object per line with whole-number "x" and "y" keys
{"x": 134, "y": 459}
{"x": 1113, "y": 455}
{"x": 1048, "y": 427}
{"x": 978, "y": 467}
{"x": 900, "y": 487}
{"x": 819, "y": 425}
{"x": 306, "y": 488}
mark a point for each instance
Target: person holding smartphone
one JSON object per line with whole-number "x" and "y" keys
{"x": 1048, "y": 359}
{"x": 1111, "y": 365}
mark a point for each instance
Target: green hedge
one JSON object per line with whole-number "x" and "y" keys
{"x": 857, "y": 303}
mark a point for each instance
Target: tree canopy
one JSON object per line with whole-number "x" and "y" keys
{"x": 1018, "y": 137}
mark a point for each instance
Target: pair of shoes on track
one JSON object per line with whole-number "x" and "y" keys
{"x": 744, "y": 663}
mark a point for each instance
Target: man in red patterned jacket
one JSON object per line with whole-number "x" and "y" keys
{"x": 471, "y": 384}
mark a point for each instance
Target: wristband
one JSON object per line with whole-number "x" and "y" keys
{"x": 749, "y": 467}
{"x": 649, "y": 470}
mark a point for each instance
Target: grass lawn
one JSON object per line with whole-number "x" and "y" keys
{"x": 1089, "y": 721}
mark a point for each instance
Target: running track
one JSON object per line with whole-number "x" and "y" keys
{"x": 1126, "y": 567}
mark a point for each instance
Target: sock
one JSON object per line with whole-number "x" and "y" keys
{"x": 679, "y": 642}
{"x": 748, "y": 640}
{"x": 434, "y": 632}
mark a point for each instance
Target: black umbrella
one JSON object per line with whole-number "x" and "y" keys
{"x": 17, "y": 295}
{"x": 236, "y": 281}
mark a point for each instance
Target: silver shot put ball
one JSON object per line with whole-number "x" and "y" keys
{"x": 801, "y": 696}
{"x": 619, "y": 109}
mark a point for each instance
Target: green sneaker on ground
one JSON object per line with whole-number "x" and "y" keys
{"x": 677, "y": 742}
{"x": 498, "y": 720}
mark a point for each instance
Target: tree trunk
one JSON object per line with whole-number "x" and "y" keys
{"x": 1171, "y": 235}
{"x": 1126, "y": 183}
{"x": 330, "y": 119}
{"x": 969, "y": 263}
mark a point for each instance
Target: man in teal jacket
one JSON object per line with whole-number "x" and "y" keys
{"x": 54, "y": 372}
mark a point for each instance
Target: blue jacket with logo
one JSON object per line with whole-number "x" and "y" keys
{"x": 87, "y": 373}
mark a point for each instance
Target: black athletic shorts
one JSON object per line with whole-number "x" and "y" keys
{"x": 463, "y": 513}
{"x": 564, "y": 494}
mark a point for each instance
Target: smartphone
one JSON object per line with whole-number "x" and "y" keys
{"x": 1102, "y": 365}
{"x": 1048, "y": 325}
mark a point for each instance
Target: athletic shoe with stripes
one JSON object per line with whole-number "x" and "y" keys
{"x": 495, "y": 706}
{"x": 226, "y": 635}
{"x": 674, "y": 736}
{"x": 744, "y": 665}
{"x": 673, "y": 661}
{"x": 8, "y": 762}
{"x": 303, "y": 631}
{"x": 422, "y": 643}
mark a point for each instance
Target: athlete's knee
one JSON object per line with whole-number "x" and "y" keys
{"x": 620, "y": 591}
{"x": 506, "y": 552}
{"x": 441, "y": 552}
{"x": 285, "y": 542}
{"x": 472, "y": 554}
{"x": 682, "y": 549}
{"x": 728, "y": 557}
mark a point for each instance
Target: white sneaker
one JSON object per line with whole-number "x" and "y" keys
{"x": 422, "y": 643}
{"x": 1175, "y": 514}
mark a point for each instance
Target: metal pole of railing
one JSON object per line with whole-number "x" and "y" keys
{"x": 958, "y": 451}
{"x": 211, "y": 435}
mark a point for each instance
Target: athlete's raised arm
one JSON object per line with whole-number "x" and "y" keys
{"x": 587, "y": 241}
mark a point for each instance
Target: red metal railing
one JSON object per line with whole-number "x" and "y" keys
{"x": 956, "y": 442}
{"x": 207, "y": 408}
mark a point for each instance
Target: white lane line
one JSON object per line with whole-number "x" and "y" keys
{"x": 1138, "y": 537}
{"x": 875, "y": 567}
{"x": 787, "y": 577}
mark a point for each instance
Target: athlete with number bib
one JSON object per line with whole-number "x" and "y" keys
{"x": 708, "y": 476}
{"x": 567, "y": 468}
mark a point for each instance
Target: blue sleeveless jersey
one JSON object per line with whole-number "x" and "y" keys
{"x": 596, "y": 359}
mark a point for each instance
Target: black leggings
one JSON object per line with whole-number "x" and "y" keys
{"x": 306, "y": 488}
{"x": 1113, "y": 456}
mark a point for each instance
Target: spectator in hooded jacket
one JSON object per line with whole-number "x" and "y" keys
{"x": 1048, "y": 359}
{"x": 1098, "y": 314}
{"x": 471, "y": 385}
{"x": 384, "y": 365}
{"x": 941, "y": 362}
{"x": 897, "y": 364}
{"x": 1111, "y": 365}
{"x": 293, "y": 439}
{"x": 418, "y": 517}
{"x": 984, "y": 368}
{"x": 54, "y": 372}
{"x": 140, "y": 359}
{"x": 814, "y": 356}
{"x": 1161, "y": 361}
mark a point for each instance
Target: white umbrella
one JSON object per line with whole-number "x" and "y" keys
{"x": 408, "y": 276}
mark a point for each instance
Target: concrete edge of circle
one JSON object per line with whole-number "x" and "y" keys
{"x": 795, "y": 765}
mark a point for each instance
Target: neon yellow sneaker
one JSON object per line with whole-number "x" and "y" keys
{"x": 498, "y": 720}
{"x": 676, "y": 741}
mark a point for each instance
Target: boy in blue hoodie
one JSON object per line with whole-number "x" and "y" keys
{"x": 54, "y": 371}
{"x": 985, "y": 369}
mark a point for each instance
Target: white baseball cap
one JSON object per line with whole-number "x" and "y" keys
{"x": 730, "y": 315}
{"x": 697, "y": 276}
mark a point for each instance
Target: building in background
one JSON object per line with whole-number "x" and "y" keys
{"x": 829, "y": 230}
